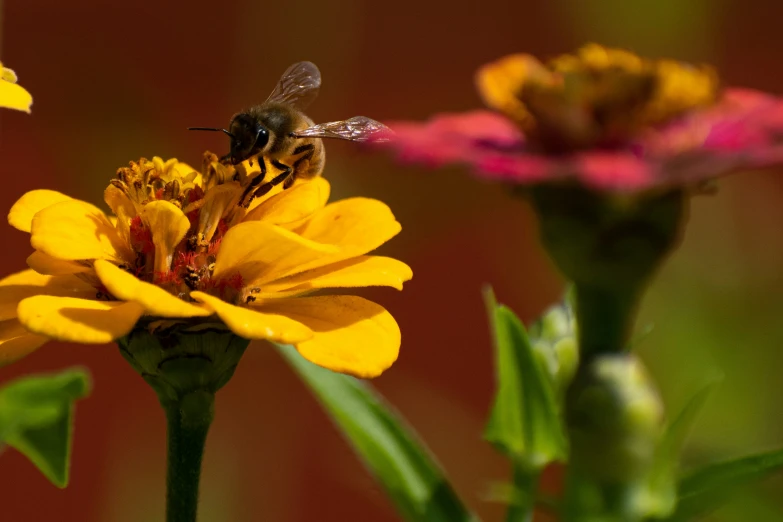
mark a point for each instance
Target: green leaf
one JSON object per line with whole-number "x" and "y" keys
{"x": 750, "y": 505}
{"x": 704, "y": 490}
{"x": 36, "y": 418}
{"x": 387, "y": 446}
{"x": 662, "y": 485}
{"x": 525, "y": 422}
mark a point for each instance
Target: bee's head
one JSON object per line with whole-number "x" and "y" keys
{"x": 248, "y": 137}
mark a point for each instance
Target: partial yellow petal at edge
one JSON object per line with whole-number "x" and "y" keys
{"x": 78, "y": 320}
{"x": 8, "y": 74}
{"x": 15, "y": 96}
{"x": 351, "y": 334}
{"x": 155, "y": 300}
{"x": 16, "y": 342}
{"x": 22, "y": 212}
{"x": 251, "y": 324}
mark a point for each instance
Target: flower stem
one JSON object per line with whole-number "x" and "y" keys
{"x": 185, "y": 368}
{"x": 605, "y": 318}
{"x": 188, "y": 423}
{"x": 525, "y": 483}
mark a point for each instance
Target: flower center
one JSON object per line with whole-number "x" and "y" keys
{"x": 597, "y": 97}
{"x": 175, "y": 218}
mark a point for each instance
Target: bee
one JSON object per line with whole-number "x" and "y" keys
{"x": 279, "y": 130}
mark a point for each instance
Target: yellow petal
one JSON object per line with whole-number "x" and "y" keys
{"x": 74, "y": 230}
{"x": 16, "y": 341}
{"x": 155, "y": 300}
{"x": 8, "y": 74}
{"x": 255, "y": 325}
{"x": 21, "y": 214}
{"x": 355, "y": 226}
{"x": 48, "y": 265}
{"x": 293, "y": 204}
{"x": 118, "y": 201}
{"x": 261, "y": 252}
{"x": 78, "y": 320}
{"x": 168, "y": 226}
{"x": 172, "y": 169}
{"x": 351, "y": 335}
{"x": 219, "y": 202}
{"x": 123, "y": 208}
{"x": 500, "y": 83}
{"x": 355, "y": 272}
{"x": 28, "y": 283}
{"x": 182, "y": 171}
{"x": 14, "y": 96}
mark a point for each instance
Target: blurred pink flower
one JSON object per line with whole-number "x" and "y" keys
{"x": 603, "y": 130}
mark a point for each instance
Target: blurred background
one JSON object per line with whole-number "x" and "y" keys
{"x": 115, "y": 81}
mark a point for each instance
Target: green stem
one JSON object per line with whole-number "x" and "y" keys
{"x": 526, "y": 483}
{"x": 188, "y": 423}
{"x": 605, "y": 317}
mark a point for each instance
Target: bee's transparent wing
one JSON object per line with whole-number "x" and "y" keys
{"x": 298, "y": 86}
{"x": 358, "y": 128}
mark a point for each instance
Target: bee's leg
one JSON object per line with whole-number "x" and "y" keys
{"x": 306, "y": 152}
{"x": 251, "y": 193}
{"x": 301, "y": 162}
{"x": 226, "y": 159}
{"x": 250, "y": 190}
{"x": 289, "y": 181}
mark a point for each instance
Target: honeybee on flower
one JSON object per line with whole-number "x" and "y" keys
{"x": 188, "y": 250}
{"x": 279, "y": 130}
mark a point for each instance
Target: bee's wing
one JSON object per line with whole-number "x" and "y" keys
{"x": 298, "y": 86}
{"x": 358, "y": 128}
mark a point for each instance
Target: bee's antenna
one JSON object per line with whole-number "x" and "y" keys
{"x": 211, "y": 129}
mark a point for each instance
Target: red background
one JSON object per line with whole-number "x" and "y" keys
{"x": 114, "y": 81}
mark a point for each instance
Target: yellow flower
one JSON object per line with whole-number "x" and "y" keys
{"x": 12, "y": 95}
{"x": 192, "y": 250}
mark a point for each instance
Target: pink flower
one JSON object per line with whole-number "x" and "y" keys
{"x": 604, "y": 118}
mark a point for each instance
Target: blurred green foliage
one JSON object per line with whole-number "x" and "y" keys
{"x": 36, "y": 418}
{"x": 674, "y": 28}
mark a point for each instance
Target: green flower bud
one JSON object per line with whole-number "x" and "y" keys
{"x": 181, "y": 363}
{"x": 553, "y": 339}
{"x": 615, "y": 418}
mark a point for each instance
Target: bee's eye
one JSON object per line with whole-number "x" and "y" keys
{"x": 262, "y": 137}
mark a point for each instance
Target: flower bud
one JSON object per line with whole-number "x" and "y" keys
{"x": 615, "y": 418}
{"x": 553, "y": 339}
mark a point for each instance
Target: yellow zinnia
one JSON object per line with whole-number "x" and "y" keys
{"x": 12, "y": 95}
{"x": 198, "y": 252}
